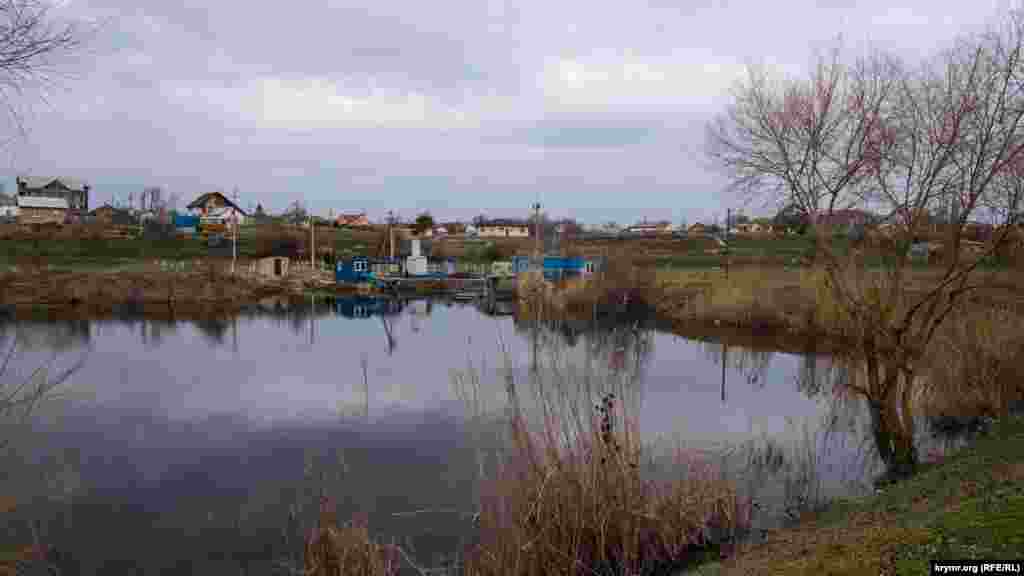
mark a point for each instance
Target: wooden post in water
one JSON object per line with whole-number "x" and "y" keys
{"x": 725, "y": 358}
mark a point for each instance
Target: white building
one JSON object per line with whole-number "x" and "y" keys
{"x": 504, "y": 228}
{"x": 415, "y": 263}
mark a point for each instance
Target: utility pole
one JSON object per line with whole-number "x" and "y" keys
{"x": 234, "y": 233}
{"x": 536, "y": 233}
{"x": 391, "y": 235}
{"x": 725, "y": 358}
{"x": 312, "y": 242}
{"x": 725, "y": 248}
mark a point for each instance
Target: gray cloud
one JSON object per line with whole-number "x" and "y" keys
{"x": 458, "y": 106}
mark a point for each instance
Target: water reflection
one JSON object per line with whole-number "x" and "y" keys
{"x": 186, "y": 450}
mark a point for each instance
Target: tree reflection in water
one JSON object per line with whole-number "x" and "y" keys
{"x": 751, "y": 364}
{"x": 213, "y": 329}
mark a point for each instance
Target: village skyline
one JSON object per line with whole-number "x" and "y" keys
{"x": 599, "y": 116}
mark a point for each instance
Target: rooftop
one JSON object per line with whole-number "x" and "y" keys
{"x": 43, "y": 181}
{"x": 42, "y": 202}
{"x": 504, "y": 222}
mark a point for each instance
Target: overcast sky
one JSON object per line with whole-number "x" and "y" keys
{"x": 595, "y": 108}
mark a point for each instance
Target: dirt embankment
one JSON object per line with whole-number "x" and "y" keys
{"x": 149, "y": 291}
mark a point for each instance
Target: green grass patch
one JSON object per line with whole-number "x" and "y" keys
{"x": 98, "y": 251}
{"x": 969, "y": 507}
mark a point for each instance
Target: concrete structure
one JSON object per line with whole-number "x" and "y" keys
{"x": 270, "y": 267}
{"x": 42, "y": 210}
{"x": 416, "y": 263}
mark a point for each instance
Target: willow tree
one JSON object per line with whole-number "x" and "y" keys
{"x": 899, "y": 141}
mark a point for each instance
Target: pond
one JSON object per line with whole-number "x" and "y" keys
{"x": 204, "y": 447}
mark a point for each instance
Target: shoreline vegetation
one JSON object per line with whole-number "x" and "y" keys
{"x": 592, "y": 497}
{"x": 767, "y": 306}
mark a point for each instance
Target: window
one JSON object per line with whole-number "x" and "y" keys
{"x": 589, "y": 267}
{"x": 359, "y": 266}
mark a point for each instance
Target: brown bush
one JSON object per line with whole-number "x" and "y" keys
{"x": 975, "y": 364}
{"x": 579, "y": 497}
{"x": 334, "y": 550}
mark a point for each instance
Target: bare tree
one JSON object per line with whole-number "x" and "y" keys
{"x": 19, "y": 396}
{"x": 879, "y": 135}
{"x": 32, "y": 42}
{"x": 807, "y": 142}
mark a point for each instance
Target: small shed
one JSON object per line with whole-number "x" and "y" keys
{"x": 502, "y": 268}
{"x": 353, "y": 270}
{"x": 270, "y": 267}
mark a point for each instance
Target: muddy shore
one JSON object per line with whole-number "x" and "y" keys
{"x": 150, "y": 293}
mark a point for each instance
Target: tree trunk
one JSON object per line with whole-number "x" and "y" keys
{"x": 892, "y": 423}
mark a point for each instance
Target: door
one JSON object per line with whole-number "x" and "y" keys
{"x": 277, "y": 266}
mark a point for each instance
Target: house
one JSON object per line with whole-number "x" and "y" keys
{"x": 270, "y": 267}
{"x": 107, "y": 214}
{"x": 697, "y": 228}
{"x": 649, "y": 228}
{"x": 75, "y": 193}
{"x": 846, "y": 220}
{"x": 503, "y": 228}
{"x": 753, "y": 228}
{"x": 42, "y": 210}
{"x": 453, "y": 228}
{"x": 216, "y": 208}
{"x": 351, "y": 220}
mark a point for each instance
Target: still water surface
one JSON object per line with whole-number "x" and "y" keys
{"x": 204, "y": 447}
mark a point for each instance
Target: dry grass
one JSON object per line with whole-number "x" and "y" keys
{"x": 334, "y": 550}
{"x": 745, "y": 296}
{"x": 148, "y": 286}
{"x": 974, "y": 364}
{"x": 572, "y": 491}
{"x": 576, "y": 492}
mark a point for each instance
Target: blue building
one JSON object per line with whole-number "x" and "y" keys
{"x": 186, "y": 224}
{"x": 558, "y": 267}
{"x": 366, "y": 307}
{"x": 353, "y": 270}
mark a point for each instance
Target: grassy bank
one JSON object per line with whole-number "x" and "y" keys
{"x": 970, "y": 506}
{"x": 67, "y": 249}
